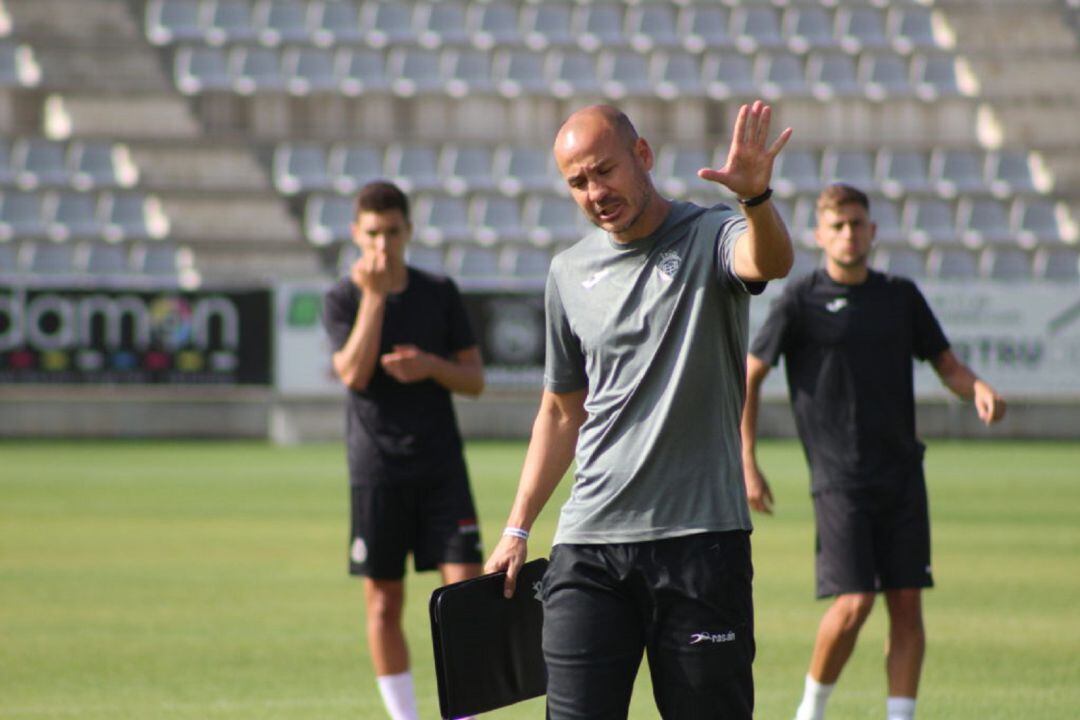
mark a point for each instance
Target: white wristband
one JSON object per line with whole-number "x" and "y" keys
{"x": 516, "y": 532}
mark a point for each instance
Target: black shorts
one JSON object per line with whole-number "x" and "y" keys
{"x": 434, "y": 519}
{"x": 687, "y": 601}
{"x": 873, "y": 538}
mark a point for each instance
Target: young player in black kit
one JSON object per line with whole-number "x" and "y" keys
{"x": 402, "y": 344}
{"x": 848, "y": 335}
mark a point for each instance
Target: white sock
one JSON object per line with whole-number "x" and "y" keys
{"x": 900, "y": 708}
{"x": 815, "y": 695}
{"x": 398, "y": 696}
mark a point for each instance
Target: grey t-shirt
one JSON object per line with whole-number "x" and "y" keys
{"x": 656, "y": 330}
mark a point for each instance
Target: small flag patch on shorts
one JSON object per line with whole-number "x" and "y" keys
{"x": 468, "y": 526}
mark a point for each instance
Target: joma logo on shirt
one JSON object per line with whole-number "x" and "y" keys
{"x": 836, "y": 305}
{"x": 668, "y": 264}
{"x": 714, "y": 638}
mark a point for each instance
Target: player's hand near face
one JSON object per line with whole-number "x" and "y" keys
{"x": 988, "y": 404}
{"x": 758, "y": 494}
{"x": 749, "y": 163}
{"x": 407, "y": 364}
{"x": 371, "y": 273}
{"x": 509, "y": 555}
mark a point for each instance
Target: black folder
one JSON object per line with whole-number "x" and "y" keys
{"x": 487, "y": 648}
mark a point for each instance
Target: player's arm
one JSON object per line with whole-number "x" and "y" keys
{"x": 764, "y": 251}
{"x": 463, "y": 372}
{"x": 758, "y": 493}
{"x": 551, "y": 450}
{"x": 355, "y": 362}
{"x": 965, "y": 384}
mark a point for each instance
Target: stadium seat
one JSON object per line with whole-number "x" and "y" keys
{"x": 1056, "y": 264}
{"x": 256, "y": 69}
{"x": 230, "y": 22}
{"x": 727, "y": 75}
{"x": 309, "y": 70}
{"x": 442, "y": 220}
{"x": 911, "y": 28}
{"x": 101, "y": 165}
{"x": 1041, "y": 221}
{"x": 9, "y": 261}
{"x": 161, "y": 259}
{"x": 428, "y": 259}
{"x": 525, "y": 263}
{"x": 172, "y": 21}
{"x": 807, "y": 28}
{"x": 278, "y": 22}
{"x": 132, "y": 216}
{"x": 1009, "y": 173}
{"x": 902, "y": 172}
{"x": 525, "y": 169}
{"x": 298, "y": 168}
{"x": 102, "y": 259}
{"x": 832, "y": 75}
{"x": 7, "y": 172}
{"x": 861, "y": 28}
{"x": 704, "y": 27}
{"x": 983, "y": 221}
{"x": 466, "y": 169}
{"x": 468, "y": 72}
{"x": 955, "y": 172}
{"x": 473, "y": 263}
{"x": 599, "y": 26}
{"x": 929, "y": 221}
{"x": 676, "y": 170}
{"x": 39, "y": 163}
{"x": 885, "y": 213}
{"x": 952, "y": 263}
{"x": 903, "y": 262}
{"x": 72, "y": 216}
{"x": 1005, "y": 264}
{"x": 552, "y": 220}
{"x": 756, "y": 27}
{"x": 884, "y": 76}
{"x": 414, "y": 71}
{"x": 18, "y": 67}
{"x": 624, "y": 73}
{"x": 361, "y": 71}
{"x": 675, "y": 74}
{"x": 327, "y": 219}
{"x": 352, "y": 166}
{"x": 493, "y": 24}
{"x": 442, "y": 24}
{"x": 48, "y": 258}
{"x": 796, "y": 171}
{"x": 652, "y": 26}
{"x": 803, "y": 221}
{"x": 201, "y": 69}
{"x": 496, "y": 219}
{"x": 389, "y": 24}
{"x": 21, "y": 215}
{"x": 572, "y": 73}
{"x": 335, "y": 23}
{"x": 854, "y": 167}
{"x": 934, "y": 76}
{"x": 413, "y": 166}
{"x": 519, "y": 72}
{"x": 780, "y": 75}
{"x": 547, "y": 25}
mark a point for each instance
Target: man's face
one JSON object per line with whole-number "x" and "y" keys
{"x": 608, "y": 178}
{"x": 845, "y": 233}
{"x": 382, "y": 232}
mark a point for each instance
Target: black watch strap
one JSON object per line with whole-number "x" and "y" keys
{"x": 757, "y": 199}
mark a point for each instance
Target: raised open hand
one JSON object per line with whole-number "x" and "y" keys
{"x": 749, "y": 164}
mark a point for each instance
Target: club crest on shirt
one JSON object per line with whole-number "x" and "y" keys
{"x": 668, "y": 264}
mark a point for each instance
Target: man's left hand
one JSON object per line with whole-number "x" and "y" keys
{"x": 749, "y": 163}
{"x": 988, "y": 404}
{"x": 407, "y": 364}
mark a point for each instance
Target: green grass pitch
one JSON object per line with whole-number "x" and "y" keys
{"x": 151, "y": 580}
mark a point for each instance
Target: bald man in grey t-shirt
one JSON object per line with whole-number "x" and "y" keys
{"x": 646, "y": 340}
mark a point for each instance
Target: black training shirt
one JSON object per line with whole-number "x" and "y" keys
{"x": 396, "y": 431}
{"x": 847, "y": 351}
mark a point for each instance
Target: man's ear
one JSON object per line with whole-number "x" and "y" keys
{"x": 644, "y": 152}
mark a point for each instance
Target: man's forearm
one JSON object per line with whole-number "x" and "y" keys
{"x": 551, "y": 450}
{"x": 766, "y": 252}
{"x": 355, "y": 361}
{"x": 457, "y": 376}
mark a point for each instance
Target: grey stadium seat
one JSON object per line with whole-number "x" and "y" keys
{"x": 954, "y": 172}
{"x": 414, "y": 71}
{"x": 426, "y": 258}
{"x": 900, "y": 261}
{"x": 442, "y": 220}
{"x": 552, "y": 220}
{"x": 327, "y": 219}
{"x": 781, "y": 75}
{"x": 298, "y": 168}
{"x": 335, "y": 23}
{"x": 525, "y": 169}
{"x": 467, "y": 72}
{"x": 201, "y": 69}
{"x": 256, "y": 69}
{"x": 796, "y": 171}
{"x": 496, "y": 219}
{"x": 886, "y": 214}
{"x": 100, "y": 165}
{"x": 756, "y": 27}
{"x": 352, "y": 166}
{"x": 309, "y": 70}
{"x": 983, "y": 221}
{"x": 161, "y": 259}
{"x": 525, "y": 263}
{"x": 676, "y": 170}
{"x": 911, "y": 28}
{"x": 442, "y": 24}
{"x": 832, "y": 74}
{"x": 47, "y": 258}
{"x": 952, "y": 263}
{"x": 99, "y": 259}
{"x": 493, "y": 24}
{"x": 652, "y": 26}
{"x": 854, "y": 167}
{"x": 884, "y": 76}
{"x": 803, "y": 221}
{"x": 413, "y": 166}
{"x": 18, "y": 68}
{"x": 278, "y": 22}
{"x": 361, "y": 71}
{"x": 172, "y": 21}
{"x": 599, "y": 25}
{"x": 127, "y": 216}
{"x": 705, "y": 27}
{"x": 1007, "y": 264}
{"x": 807, "y": 28}
{"x": 1009, "y": 172}
{"x": 547, "y": 25}
{"x": 1040, "y": 221}
{"x": 73, "y": 216}
{"x": 571, "y": 73}
{"x": 473, "y": 263}
{"x": 40, "y": 163}
{"x": 9, "y": 260}
{"x": 466, "y": 169}
{"x": 929, "y": 221}
{"x": 935, "y": 76}
{"x": 230, "y": 22}
{"x": 861, "y": 28}
{"x": 624, "y": 73}
{"x": 389, "y": 24}
{"x": 21, "y": 215}
{"x": 1057, "y": 264}
{"x": 902, "y": 172}
{"x": 519, "y": 72}
{"x": 676, "y": 74}
{"x": 727, "y": 75}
